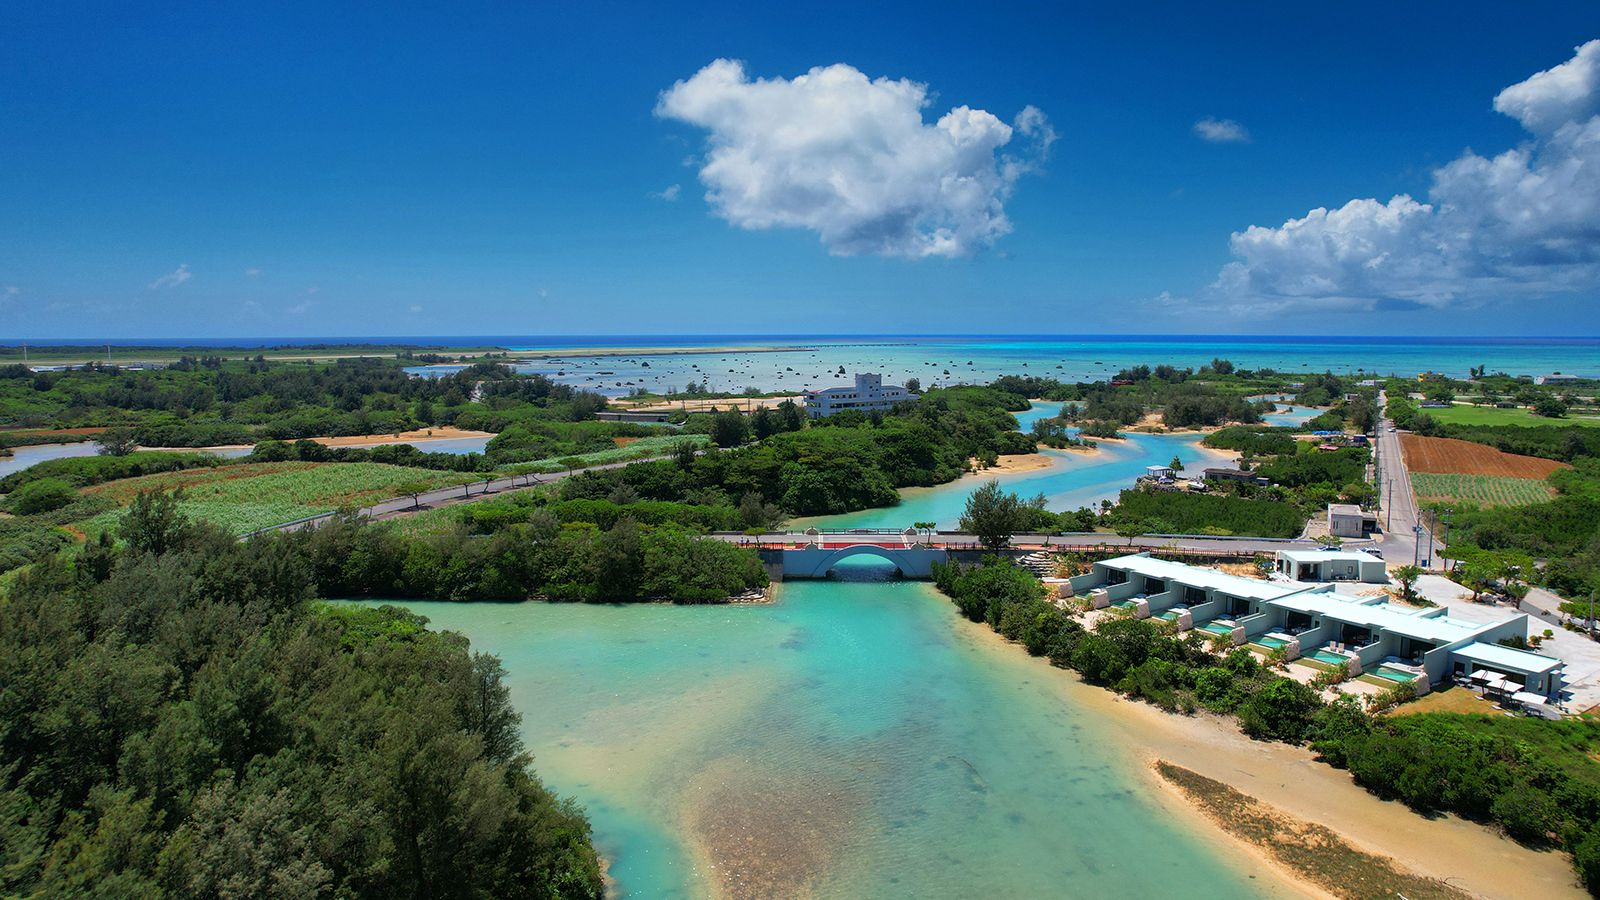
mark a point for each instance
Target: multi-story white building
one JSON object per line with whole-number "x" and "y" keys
{"x": 869, "y": 393}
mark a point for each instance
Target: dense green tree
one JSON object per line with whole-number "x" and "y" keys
{"x": 1281, "y": 711}
{"x": 117, "y": 441}
{"x": 729, "y": 428}
{"x": 153, "y": 523}
{"x": 992, "y": 515}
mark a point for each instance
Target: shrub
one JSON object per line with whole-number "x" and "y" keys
{"x": 44, "y": 495}
{"x": 1281, "y": 711}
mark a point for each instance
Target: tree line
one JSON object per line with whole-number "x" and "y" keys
{"x": 183, "y": 719}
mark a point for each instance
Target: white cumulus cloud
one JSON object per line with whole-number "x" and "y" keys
{"x": 669, "y": 194}
{"x": 1525, "y": 223}
{"x": 1224, "y": 131}
{"x": 1555, "y": 96}
{"x": 851, "y": 158}
{"x": 176, "y": 277}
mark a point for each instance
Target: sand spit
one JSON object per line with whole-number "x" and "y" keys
{"x": 1300, "y": 850}
{"x": 1290, "y": 780}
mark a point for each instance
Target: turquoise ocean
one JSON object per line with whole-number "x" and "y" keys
{"x": 792, "y": 363}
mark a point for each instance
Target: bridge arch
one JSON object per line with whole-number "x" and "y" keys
{"x": 913, "y": 562}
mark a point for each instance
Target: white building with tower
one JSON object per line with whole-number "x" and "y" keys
{"x": 869, "y": 393}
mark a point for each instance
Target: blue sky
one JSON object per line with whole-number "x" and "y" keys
{"x": 207, "y": 170}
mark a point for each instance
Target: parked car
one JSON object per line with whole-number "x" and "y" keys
{"x": 1374, "y": 551}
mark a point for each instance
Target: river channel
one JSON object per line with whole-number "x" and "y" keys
{"x": 855, "y": 739}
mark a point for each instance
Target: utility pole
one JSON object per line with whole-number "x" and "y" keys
{"x": 1446, "y": 551}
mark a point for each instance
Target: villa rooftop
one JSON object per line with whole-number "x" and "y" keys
{"x": 1314, "y": 556}
{"x": 1417, "y": 624}
{"x": 1508, "y": 658}
{"x": 1193, "y": 576}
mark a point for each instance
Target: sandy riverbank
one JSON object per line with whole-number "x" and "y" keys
{"x": 422, "y": 435}
{"x": 419, "y": 438}
{"x": 1289, "y": 779}
{"x": 1010, "y": 465}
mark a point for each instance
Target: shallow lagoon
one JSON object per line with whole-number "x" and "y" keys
{"x": 856, "y": 739}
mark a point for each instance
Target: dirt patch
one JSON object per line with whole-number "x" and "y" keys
{"x": 1240, "y": 569}
{"x": 624, "y": 441}
{"x": 1304, "y": 850}
{"x": 1448, "y": 456}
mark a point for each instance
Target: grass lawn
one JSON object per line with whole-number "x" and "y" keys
{"x": 1487, "y": 415}
{"x": 1449, "y": 699}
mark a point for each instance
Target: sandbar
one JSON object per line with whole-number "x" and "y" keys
{"x": 1289, "y": 779}
{"x": 1010, "y": 465}
{"x": 419, "y": 436}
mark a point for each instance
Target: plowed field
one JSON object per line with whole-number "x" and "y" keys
{"x": 1448, "y": 456}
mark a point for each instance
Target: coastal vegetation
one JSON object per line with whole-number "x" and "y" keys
{"x": 499, "y": 558}
{"x": 1536, "y": 780}
{"x": 211, "y": 401}
{"x": 185, "y": 719}
{"x": 844, "y": 463}
{"x": 1177, "y": 512}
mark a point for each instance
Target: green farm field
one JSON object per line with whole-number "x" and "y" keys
{"x": 246, "y": 497}
{"x": 1484, "y": 490}
{"x": 1486, "y": 415}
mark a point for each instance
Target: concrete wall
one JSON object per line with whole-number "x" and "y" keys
{"x": 814, "y": 562}
{"x": 1344, "y": 526}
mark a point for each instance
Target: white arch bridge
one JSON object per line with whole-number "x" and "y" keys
{"x": 813, "y": 561}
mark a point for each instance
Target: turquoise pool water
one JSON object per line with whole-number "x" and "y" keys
{"x": 1332, "y": 659}
{"x": 1214, "y": 628}
{"x": 1393, "y": 674}
{"x": 1270, "y": 643}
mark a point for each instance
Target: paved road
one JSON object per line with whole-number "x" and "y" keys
{"x": 1400, "y": 542}
{"x": 957, "y": 540}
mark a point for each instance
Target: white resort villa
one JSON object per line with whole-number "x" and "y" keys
{"x": 869, "y": 393}
{"x": 1368, "y": 634}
